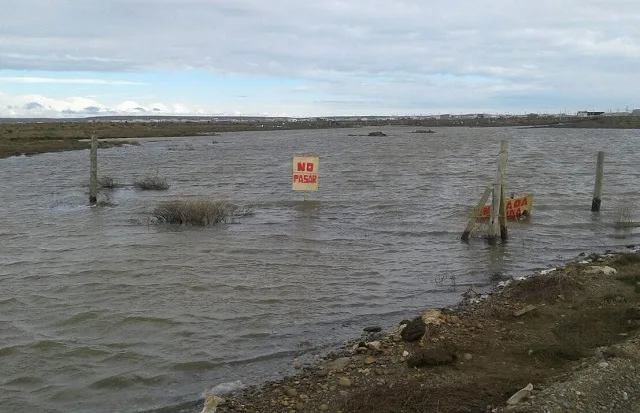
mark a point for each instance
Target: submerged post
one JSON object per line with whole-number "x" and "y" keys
{"x": 93, "y": 181}
{"x": 597, "y": 190}
{"x": 502, "y": 172}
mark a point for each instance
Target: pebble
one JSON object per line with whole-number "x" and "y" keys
{"x": 322, "y": 372}
{"x": 603, "y": 364}
{"x": 373, "y": 329}
{"x": 291, "y": 392}
{"x": 625, "y": 396}
{"x": 344, "y": 382}
{"x": 324, "y": 407}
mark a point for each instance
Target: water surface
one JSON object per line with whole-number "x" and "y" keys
{"x": 102, "y": 312}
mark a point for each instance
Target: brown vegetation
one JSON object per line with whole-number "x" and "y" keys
{"x": 152, "y": 183}
{"x": 108, "y": 182}
{"x": 196, "y": 212}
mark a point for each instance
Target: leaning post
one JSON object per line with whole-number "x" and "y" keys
{"x": 470, "y": 224}
{"x": 597, "y": 190}
{"x": 93, "y": 179}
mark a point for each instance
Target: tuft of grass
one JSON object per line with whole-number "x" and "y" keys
{"x": 626, "y": 259}
{"x": 108, "y": 182}
{"x": 156, "y": 183}
{"x": 623, "y": 215}
{"x": 546, "y": 288}
{"x": 197, "y": 212}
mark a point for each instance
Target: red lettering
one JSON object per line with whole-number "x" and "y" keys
{"x": 524, "y": 201}
{"x": 314, "y": 179}
{"x": 517, "y": 203}
{"x": 518, "y": 212}
{"x": 509, "y": 205}
{"x": 301, "y": 166}
{"x": 309, "y": 167}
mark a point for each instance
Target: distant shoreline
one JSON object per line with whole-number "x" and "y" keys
{"x": 30, "y": 137}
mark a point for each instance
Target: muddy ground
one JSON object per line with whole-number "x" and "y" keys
{"x": 570, "y": 329}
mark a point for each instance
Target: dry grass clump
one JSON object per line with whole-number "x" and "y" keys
{"x": 156, "y": 183}
{"x": 196, "y": 212}
{"x": 107, "y": 182}
{"x": 546, "y": 288}
{"x": 623, "y": 215}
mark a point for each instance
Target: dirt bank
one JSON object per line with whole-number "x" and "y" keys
{"x": 570, "y": 333}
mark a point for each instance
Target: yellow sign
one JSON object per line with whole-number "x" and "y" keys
{"x": 305, "y": 173}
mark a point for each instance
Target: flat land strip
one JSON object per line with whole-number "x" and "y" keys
{"x": 30, "y": 137}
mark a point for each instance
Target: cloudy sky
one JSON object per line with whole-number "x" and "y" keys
{"x": 313, "y": 58}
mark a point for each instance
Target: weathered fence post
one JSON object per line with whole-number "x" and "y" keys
{"x": 93, "y": 182}
{"x": 502, "y": 172}
{"x": 597, "y": 190}
{"x": 494, "y": 220}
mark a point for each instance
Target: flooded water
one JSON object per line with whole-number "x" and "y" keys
{"x": 102, "y": 312}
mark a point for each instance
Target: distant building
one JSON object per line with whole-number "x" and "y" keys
{"x": 585, "y": 114}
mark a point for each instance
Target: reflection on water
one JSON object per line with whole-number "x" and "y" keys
{"x": 101, "y": 312}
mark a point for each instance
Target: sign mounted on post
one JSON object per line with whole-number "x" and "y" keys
{"x": 305, "y": 173}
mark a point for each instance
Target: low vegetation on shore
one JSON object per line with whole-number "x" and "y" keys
{"x": 522, "y": 343}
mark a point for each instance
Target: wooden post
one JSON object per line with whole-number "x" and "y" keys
{"x": 502, "y": 170}
{"x": 597, "y": 190}
{"x": 93, "y": 182}
{"x": 476, "y": 211}
{"x": 494, "y": 221}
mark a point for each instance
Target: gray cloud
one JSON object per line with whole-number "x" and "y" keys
{"x": 427, "y": 53}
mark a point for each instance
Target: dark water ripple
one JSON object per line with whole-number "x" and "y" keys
{"x": 100, "y": 312}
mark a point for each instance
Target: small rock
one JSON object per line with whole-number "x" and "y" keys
{"x": 369, "y": 360}
{"x": 374, "y": 345}
{"x": 324, "y": 407}
{"x": 322, "y": 372}
{"x": 520, "y": 395}
{"x": 524, "y": 310}
{"x": 339, "y": 364}
{"x": 597, "y": 269}
{"x": 344, "y": 382}
{"x": 625, "y": 396}
{"x": 468, "y": 356}
{"x": 603, "y": 364}
{"x": 291, "y": 392}
{"x": 373, "y": 329}
{"x": 297, "y": 365}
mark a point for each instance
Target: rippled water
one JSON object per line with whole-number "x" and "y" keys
{"x": 101, "y": 312}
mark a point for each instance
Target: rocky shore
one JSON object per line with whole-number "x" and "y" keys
{"x": 561, "y": 340}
